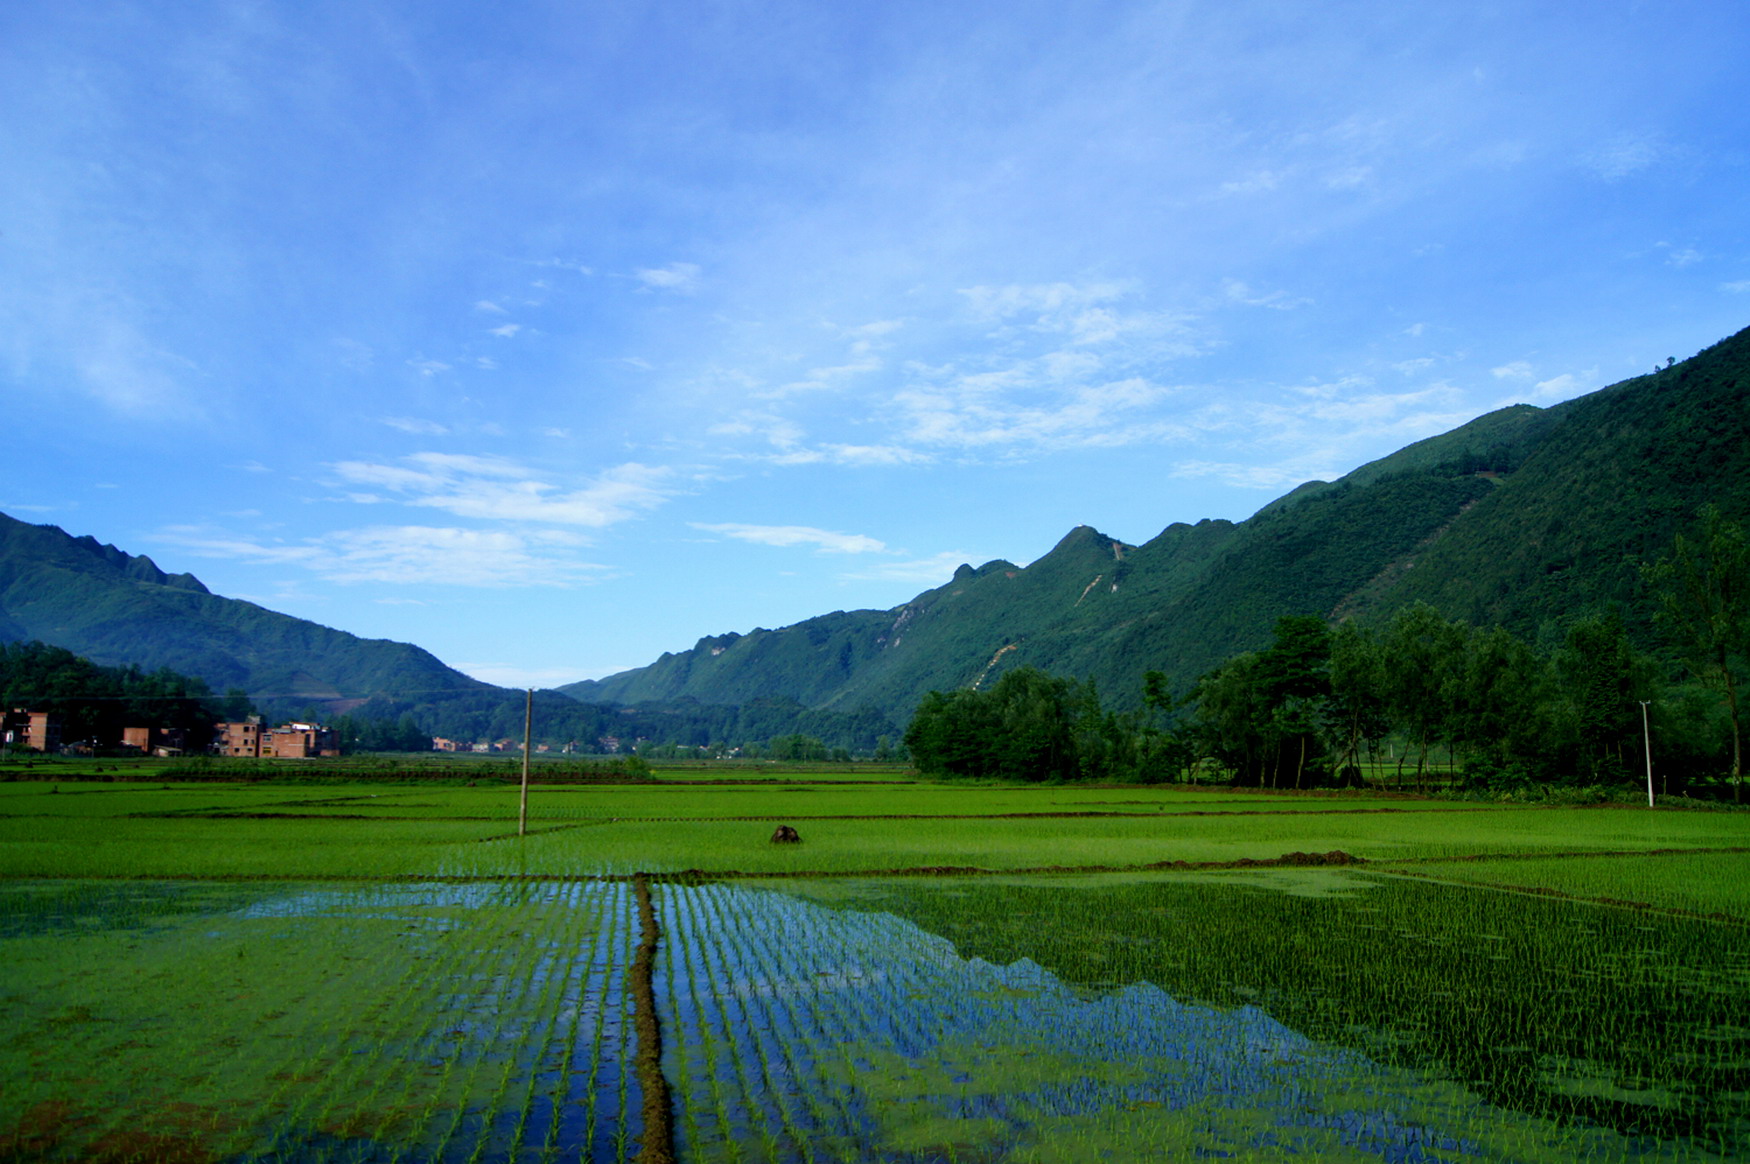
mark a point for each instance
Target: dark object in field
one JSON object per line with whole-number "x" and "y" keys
{"x": 786, "y": 836}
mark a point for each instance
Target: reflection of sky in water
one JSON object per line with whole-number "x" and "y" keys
{"x": 864, "y": 1037}
{"x": 494, "y": 1016}
{"x": 793, "y": 1031}
{"x": 545, "y": 1017}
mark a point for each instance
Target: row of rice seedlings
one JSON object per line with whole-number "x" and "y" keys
{"x": 697, "y": 1046}
{"x": 389, "y": 1082}
{"x": 528, "y": 1004}
{"x": 757, "y": 992}
{"x": 923, "y": 1004}
{"x": 527, "y": 1037}
{"x": 740, "y": 1050}
{"x": 310, "y": 1092}
{"x": 544, "y": 1070}
{"x": 129, "y": 926}
{"x": 376, "y": 1086}
{"x": 1417, "y": 985}
{"x": 321, "y": 1085}
{"x": 593, "y": 987}
{"x": 790, "y": 1084}
{"x": 680, "y": 1027}
{"x": 494, "y": 1016}
{"x": 783, "y": 1000}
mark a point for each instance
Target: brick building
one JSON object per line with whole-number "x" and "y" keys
{"x": 153, "y": 741}
{"x": 32, "y": 729}
{"x": 295, "y": 741}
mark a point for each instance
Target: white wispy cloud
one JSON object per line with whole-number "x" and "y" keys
{"x": 1250, "y": 476}
{"x": 1242, "y": 293}
{"x": 416, "y": 426}
{"x": 930, "y": 571}
{"x": 852, "y": 455}
{"x": 1624, "y": 155}
{"x": 506, "y": 331}
{"x": 1059, "y": 366}
{"x": 825, "y": 379}
{"x": 407, "y": 555}
{"x": 966, "y": 413}
{"x": 1261, "y": 182}
{"x": 130, "y": 374}
{"x": 496, "y": 489}
{"x": 489, "y": 307}
{"x": 1737, "y": 288}
{"x": 1313, "y": 431}
{"x": 1081, "y": 313}
{"x": 427, "y": 367}
{"x": 1564, "y": 387}
{"x": 827, "y": 541}
{"x": 674, "y": 277}
{"x": 1517, "y": 370}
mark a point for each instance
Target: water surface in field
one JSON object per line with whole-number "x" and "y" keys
{"x": 1318, "y": 1014}
{"x": 192, "y": 1021}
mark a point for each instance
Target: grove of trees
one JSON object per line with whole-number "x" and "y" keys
{"x": 96, "y": 702}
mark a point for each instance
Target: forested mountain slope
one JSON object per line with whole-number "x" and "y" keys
{"x": 1523, "y": 517}
{"x": 118, "y": 609}
{"x": 1623, "y": 471}
{"x": 115, "y": 608}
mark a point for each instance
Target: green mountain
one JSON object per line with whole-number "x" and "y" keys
{"x": 116, "y": 608}
{"x": 1525, "y": 517}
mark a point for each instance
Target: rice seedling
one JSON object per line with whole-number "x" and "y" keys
{"x": 385, "y": 973}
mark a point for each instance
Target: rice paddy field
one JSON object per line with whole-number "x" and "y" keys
{"x": 388, "y": 972}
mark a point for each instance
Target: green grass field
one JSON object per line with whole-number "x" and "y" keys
{"x": 385, "y": 971}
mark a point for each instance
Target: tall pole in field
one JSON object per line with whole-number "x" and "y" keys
{"x": 1647, "y": 743}
{"x": 522, "y": 816}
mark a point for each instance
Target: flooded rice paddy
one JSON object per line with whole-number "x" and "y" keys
{"x": 1328, "y": 1014}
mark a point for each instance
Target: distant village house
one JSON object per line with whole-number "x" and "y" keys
{"x": 289, "y": 741}
{"x": 40, "y": 730}
{"x": 151, "y": 741}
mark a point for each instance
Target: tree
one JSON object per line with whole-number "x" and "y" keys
{"x": 1422, "y": 651}
{"x": 1703, "y": 588}
{"x": 1357, "y": 708}
{"x": 1498, "y": 701}
{"x": 1296, "y": 675}
{"x": 1603, "y": 678}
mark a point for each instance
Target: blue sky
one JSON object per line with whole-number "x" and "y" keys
{"x": 554, "y": 336}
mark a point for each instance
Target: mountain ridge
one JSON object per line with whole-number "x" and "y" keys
{"x": 1460, "y": 519}
{"x": 117, "y": 608}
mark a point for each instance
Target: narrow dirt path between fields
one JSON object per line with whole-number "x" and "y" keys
{"x": 656, "y": 1143}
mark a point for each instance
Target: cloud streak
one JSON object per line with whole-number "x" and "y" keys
{"x": 408, "y": 555}
{"x": 496, "y": 489}
{"x": 826, "y": 541}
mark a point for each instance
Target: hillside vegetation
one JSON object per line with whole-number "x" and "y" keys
{"x": 1525, "y": 518}
{"x": 119, "y": 609}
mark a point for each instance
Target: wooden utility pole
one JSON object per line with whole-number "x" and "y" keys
{"x": 522, "y": 816}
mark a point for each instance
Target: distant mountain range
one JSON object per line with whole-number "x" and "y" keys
{"x": 1525, "y": 518}
{"x": 117, "y": 608}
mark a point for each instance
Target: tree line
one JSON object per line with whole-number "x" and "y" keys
{"x": 1324, "y": 703}
{"x": 95, "y": 702}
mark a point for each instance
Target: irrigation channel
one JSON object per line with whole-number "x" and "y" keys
{"x": 1320, "y": 1013}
